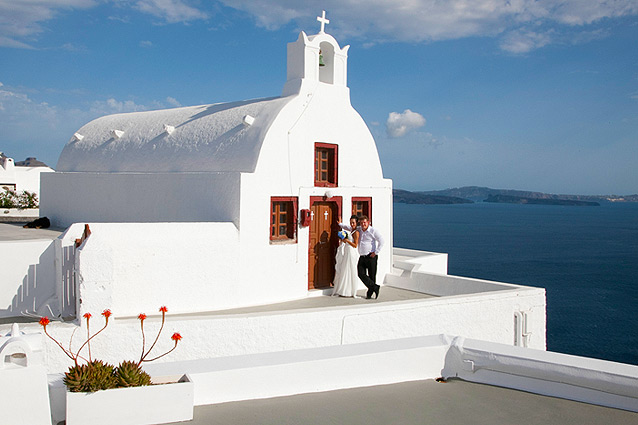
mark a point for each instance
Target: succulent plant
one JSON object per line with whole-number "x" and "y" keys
{"x": 130, "y": 374}
{"x": 96, "y": 375}
{"x": 75, "y": 378}
{"x": 93, "y": 376}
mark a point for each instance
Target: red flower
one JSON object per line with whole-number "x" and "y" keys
{"x": 176, "y": 337}
{"x": 44, "y": 321}
{"x": 87, "y": 316}
{"x": 163, "y": 309}
{"x": 142, "y": 316}
{"x": 107, "y": 313}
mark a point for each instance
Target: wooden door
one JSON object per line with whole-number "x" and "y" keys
{"x": 322, "y": 245}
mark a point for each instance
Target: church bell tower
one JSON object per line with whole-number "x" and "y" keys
{"x": 316, "y": 59}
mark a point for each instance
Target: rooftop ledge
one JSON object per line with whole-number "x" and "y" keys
{"x": 237, "y": 378}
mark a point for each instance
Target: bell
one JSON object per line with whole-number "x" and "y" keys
{"x": 321, "y": 59}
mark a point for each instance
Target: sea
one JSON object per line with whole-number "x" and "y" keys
{"x": 586, "y": 258}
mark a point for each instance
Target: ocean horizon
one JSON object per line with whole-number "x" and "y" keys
{"x": 586, "y": 258}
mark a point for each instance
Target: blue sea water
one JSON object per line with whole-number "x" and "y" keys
{"x": 585, "y": 257}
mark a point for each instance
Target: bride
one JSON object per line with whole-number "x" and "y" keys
{"x": 346, "y": 279}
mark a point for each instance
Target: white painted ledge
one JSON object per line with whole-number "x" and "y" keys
{"x": 548, "y": 373}
{"x": 283, "y": 373}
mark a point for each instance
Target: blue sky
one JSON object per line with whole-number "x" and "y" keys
{"x": 522, "y": 94}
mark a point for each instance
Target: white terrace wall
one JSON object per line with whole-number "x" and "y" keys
{"x": 487, "y": 317}
{"x": 28, "y": 276}
{"x": 137, "y": 197}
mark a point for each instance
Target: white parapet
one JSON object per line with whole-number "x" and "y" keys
{"x": 285, "y": 373}
{"x": 406, "y": 261}
{"x": 543, "y": 372}
{"x": 23, "y": 379}
{"x": 28, "y": 276}
{"x": 348, "y": 366}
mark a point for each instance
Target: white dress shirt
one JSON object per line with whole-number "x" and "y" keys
{"x": 369, "y": 241}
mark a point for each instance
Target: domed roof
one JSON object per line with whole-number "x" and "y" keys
{"x": 206, "y": 138}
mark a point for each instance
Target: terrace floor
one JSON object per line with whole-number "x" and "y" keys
{"x": 319, "y": 300}
{"x": 456, "y": 402}
{"x": 15, "y": 232}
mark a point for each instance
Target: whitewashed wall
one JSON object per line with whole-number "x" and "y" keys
{"x": 28, "y": 276}
{"x": 481, "y": 316}
{"x": 320, "y": 113}
{"x": 138, "y": 267}
{"x": 25, "y": 178}
{"x": 28, "y": 178}
{"x": 136, "y": 197}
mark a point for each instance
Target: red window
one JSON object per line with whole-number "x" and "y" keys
{"x": 362, "y": 206}
{"x": 325, "y": 164}
{"x": 283, "y": 218}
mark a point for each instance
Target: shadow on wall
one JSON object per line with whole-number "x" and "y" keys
{"x": 37, "y": 294}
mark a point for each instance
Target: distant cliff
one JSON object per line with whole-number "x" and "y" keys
{"x": 407, "y": 197}
{"x": 477, "y": 193}
{"x": 521, "y": 200}
{"x": 30, "y": 162}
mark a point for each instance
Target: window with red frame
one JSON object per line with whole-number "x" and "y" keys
{"x": 325, "y": 164}
{"x": 362, "y": 206}
{"x": 283, "y": 223}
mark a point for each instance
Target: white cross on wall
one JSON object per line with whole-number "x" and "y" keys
{"x": 323, "y": 20}
{"x": 325, "y": 215}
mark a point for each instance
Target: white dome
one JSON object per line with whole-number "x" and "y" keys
{"x": 204, "y": 138}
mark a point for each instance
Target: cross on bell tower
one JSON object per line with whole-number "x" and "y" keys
{"x": 323, "y": 21}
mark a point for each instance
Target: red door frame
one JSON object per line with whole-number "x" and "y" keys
{"x": 338, "y": 201}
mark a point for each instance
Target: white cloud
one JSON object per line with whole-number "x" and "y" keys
{"x": 173, "y": 102}
{"x": 581, "y": 12}
{"x": 432, "y": 20}
{"x": 114, "y": 106}
{"x": 171, "y": 11}
{"x": 400, "y": 124}
{"x": 21, "y": 19}
{"x": 524, "y": 41}
{"x": 146, "y": 43}
{"x": 376, "y": 21}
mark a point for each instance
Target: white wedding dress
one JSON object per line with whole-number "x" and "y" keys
{"x": 346, "y": 280}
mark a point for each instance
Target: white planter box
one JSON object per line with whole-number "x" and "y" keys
{"x": 153, "y": 404}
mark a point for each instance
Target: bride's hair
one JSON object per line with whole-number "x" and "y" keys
{"x": 355, "y": 217}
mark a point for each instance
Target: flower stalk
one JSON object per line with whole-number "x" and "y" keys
{"x": 176, "y": 337}
{"x": 95, "y": 373}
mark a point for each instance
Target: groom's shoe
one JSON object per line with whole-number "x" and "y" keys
{"x": 376, "y": 292}
{"x": 369, "y": 293}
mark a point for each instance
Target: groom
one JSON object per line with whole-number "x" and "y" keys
{"x": 370, "y": 244}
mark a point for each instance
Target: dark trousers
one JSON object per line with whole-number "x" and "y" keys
{"x": 367, "y": 271}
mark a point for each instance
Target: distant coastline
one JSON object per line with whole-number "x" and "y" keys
{"x": 407, "y": 197}
{"x": 505, "y": 199}
{"x": 470, "y": 194}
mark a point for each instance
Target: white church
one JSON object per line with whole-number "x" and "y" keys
{"x": 268, "y": 177}
{"x": 226, "y": 213}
